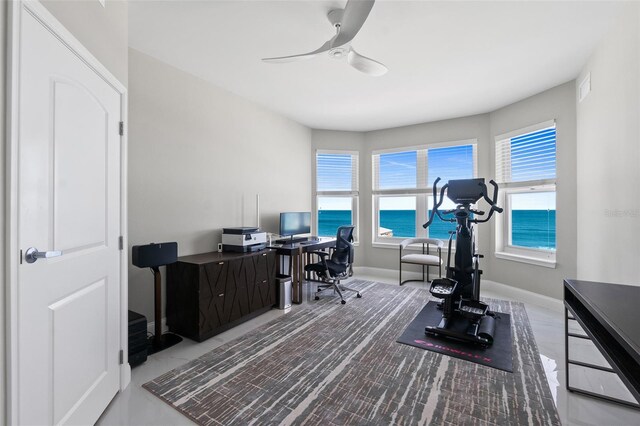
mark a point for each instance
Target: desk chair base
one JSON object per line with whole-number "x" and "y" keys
{"x": 337, "y": 287}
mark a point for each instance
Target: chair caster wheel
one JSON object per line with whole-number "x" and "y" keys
{"x": 317, "y": 297}
{"x": 358, "y": 295}
{"x": 343, "y": 302}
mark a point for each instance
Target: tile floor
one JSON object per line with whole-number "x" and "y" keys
{"x": 136, "y": 406}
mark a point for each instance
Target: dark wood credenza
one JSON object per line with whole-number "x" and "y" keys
{"x": 212, "y": 292}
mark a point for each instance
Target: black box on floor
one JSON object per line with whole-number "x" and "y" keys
{"x": 138, "y": 343}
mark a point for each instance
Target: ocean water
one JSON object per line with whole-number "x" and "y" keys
{"x": 330, "y": 220}
{"x": 531, "y": 228}
{"x": 534, "y": 228}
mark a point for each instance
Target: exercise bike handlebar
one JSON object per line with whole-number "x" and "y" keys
{"x": 437, "y": 203}
{"x": 491, "y": 202}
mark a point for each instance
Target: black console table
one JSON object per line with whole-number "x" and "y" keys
{"x": 609, "y": 315}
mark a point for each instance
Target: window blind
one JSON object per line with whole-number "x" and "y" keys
{"x": 527, "y": 157}
{"x": 418, "y": 169}
{"x": 396, "y": 170}
{"x": 452, "y": 162}
{"x": 336, "y": 172}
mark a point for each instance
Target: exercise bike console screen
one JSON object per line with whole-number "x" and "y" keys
{"x": 465, "y": 190}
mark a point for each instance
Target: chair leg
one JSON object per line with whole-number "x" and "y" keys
{"x": 336, "y": 287}
{"x": 400, "y": 277}
{"x": 343, "y": 288}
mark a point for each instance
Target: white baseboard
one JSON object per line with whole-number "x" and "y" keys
{"x": 391, "y": 274}
{"x": 519, "y": 294}
{"x": 514, "y": 293}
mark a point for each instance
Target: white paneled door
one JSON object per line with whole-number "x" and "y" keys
{"x": 68, "y": 211}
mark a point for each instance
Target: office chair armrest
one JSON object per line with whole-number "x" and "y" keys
{"x": 323, "y": 258}
{"x": 322, "y": 254}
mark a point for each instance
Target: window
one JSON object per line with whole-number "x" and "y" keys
{"x": 526, "y": 173}
{"x": 336, "y": 194}
{"x": 402, "y": 188}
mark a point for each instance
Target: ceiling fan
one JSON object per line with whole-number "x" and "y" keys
{"x": 347, "y": 23}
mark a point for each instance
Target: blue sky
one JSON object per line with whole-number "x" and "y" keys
{"x": 398, "y": 169}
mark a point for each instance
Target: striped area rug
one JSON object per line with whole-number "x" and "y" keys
{"x": 327, "y": 363}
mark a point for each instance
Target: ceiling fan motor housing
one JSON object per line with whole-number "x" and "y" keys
{"x": 335, "y": 17}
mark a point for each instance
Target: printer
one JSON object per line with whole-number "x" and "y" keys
{"x": 243, "y": 239}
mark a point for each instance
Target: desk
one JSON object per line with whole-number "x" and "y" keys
{"x": 295, "y": 252}
{"x": 609, "y": 315}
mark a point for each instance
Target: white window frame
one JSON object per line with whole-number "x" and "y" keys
{"x": 422, "y": 194}
{"x": 503, "y": 232}
{"x": 354, "y": 193}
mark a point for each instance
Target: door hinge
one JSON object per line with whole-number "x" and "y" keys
{"x": 121, "y": 128}
{"x": 121, "y": 242}
{"x": 121, "y": 357}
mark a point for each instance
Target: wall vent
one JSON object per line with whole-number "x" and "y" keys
{"x": 585, "y": 87}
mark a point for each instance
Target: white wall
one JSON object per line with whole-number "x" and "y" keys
{"x": 608, "y": 158}
{"x": 559, "y": 104}
{"x": 198, "y": 155}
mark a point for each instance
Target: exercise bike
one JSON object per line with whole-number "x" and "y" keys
{"x": 464, "y": 316}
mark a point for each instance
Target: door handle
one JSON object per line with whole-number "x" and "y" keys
{"x": 32, "y": 254}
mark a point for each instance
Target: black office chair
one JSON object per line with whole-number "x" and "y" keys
{"x": 338, "y": 266}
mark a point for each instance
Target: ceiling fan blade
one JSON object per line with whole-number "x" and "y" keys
{"x": 280, "y": 59}
{"x": 355, "y": 13}
{"x": 366, "y": 65}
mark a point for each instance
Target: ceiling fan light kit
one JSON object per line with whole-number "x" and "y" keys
{"x": 347, "y": 23}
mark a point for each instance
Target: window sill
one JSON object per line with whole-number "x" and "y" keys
{"x": 385, "y": 245}
{"x": 526, "y": 259}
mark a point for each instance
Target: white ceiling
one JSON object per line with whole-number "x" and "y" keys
{"x": 445, "y": 59}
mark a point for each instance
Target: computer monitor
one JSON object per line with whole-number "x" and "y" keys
{"x": 295, "y": 223}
